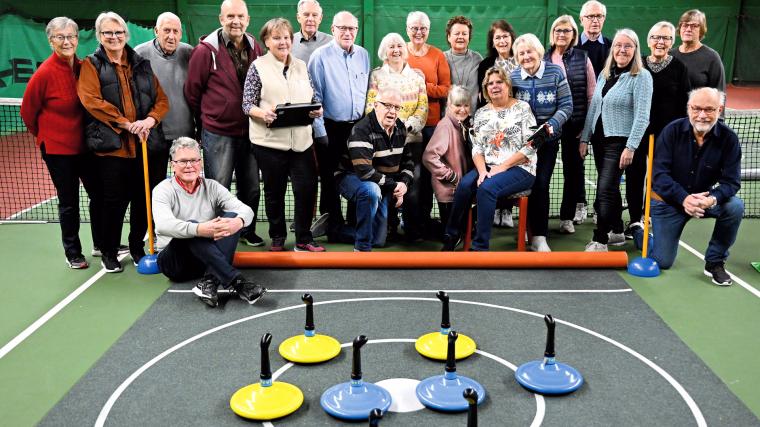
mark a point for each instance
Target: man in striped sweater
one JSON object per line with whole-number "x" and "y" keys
{"x": 376, "y": 168}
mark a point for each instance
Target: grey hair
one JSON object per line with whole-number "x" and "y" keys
{"x": 382, "y": 50}
{"x": 418, "y": 16}
{"x": 663, "y": 24}
{"x": 166, "y": 16}
{"x": 345, "y": 12}
{"x": 383, "y": 93}
{"x": 637, "y": 64}
{"x": 184, "y": 142}
{"x": 458, "y": 95}
{"x": 720, "y": 94}
{"x": 60, "y": 23}
{"x": 532, "y": 42}
{"x": 303, "y": 2}
{"x": 110, "y": 16}
{"x": 590, "y": 3}
{"x": 564, "y": 19}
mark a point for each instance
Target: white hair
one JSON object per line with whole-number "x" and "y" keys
{"x": 663, "y": 24}
{"x": 532, "y": 42}
{"x": 165, "y": 17}
{"x": 113, "y": 17}
{"x": 184, "y": 142}
{"x": 58, "y": 24}
{"x": 590, "y": 3}
{"x": 458, "y": 95}
{"x": 715, "y": 92}
{"x": 382, "y": 50}
{"x": 344, "y": 13}
{"x": 418, "y": 16}
{"x": 301, "y": 3}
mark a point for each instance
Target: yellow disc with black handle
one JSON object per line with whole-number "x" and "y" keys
{"x": 305, "y": 349}
{"x": 435, "y": 345}
{"x": 256, "y": 402}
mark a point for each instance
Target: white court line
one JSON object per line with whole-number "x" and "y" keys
{"x": 18, "y": 339}
{"x": 21, "y": 212}
{"x": 427, "y": 291}
{"x": 736, "y": 278}
{"x": 106, "y": 409}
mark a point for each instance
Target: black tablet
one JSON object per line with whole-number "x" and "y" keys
{"x": 294, "y": 114}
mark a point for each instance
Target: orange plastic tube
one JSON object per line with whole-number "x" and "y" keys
{"x": 431, "y": 260}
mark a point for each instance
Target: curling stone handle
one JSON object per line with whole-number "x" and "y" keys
{"x": 309, "y": 301}
{"x": 451, "y": 364}
{"x": 356, "y": 370}
{"x": 375, "y": 416}
{"x": 549, "y": 335}
{"x": 266, "y": 370}
{"x": 444, "y": 297}
{"x": 471, "y": 396}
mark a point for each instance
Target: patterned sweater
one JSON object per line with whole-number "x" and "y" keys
{"x": 547, "y": 93}
{"x": 501, "y": 133}
{"x": 414, "y": 100}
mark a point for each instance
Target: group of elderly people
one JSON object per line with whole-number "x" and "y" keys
{"x": 466, "y": 120}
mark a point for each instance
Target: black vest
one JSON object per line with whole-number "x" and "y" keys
{"x": 575, "y": 68}
{"x": 99, "y": 136}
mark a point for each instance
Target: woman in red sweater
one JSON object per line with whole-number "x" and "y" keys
{"x": 54, "y": 115}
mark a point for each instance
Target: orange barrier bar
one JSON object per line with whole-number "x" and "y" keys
{"x": 431, "y": 260}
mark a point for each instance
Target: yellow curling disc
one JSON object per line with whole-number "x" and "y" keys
{"x": 435, "y": 345}
{"x": 266, "y": 403}
{"x": 303, "y": 349}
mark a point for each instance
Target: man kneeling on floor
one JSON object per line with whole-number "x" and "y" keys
{"x": 692, "y": 155}
{"x": 198, "y": 222}
{"x": 376, "y": 169}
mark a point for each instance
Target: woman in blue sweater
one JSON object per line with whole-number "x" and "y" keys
{"x": 544, "y": 87}
{"x": 616, "y": 121}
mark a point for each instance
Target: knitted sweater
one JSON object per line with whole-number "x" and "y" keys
{"x": 414, "y": 100}
{"x": 51, "y": 108}
{"x": 437, "y": 80}
{"x": 624, "y": 110}
{"x": 547, "y": 93}
{"x": 464, "y": 72}
{"x": 177, "y": 213}
{"x": 705, "y": 67}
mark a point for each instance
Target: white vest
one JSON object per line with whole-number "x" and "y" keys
{"x": 277, "y": 89}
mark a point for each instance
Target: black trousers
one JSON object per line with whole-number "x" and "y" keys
{"x": 418, "y": 202}
{"x": 328, "y": 158}
{"x": 66, "y": 171}
{"x": 538, "y": 214}
{"x": 573, "y": 172}
{"x": 276, "y": 167}
{"x": 609, "y": 203}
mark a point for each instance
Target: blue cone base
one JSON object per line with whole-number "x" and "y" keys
{"x": 644, "y": 267}
{"x": 148, "y": 265}
{"x": 351, "y": 402}
{"x": 443, "y": 394}
{"x": 543, "y": 378}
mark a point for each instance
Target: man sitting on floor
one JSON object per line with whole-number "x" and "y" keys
{"x": 376, "y": 168}
{"x": 198, "y": 222}
{"x": 692, "y": 155}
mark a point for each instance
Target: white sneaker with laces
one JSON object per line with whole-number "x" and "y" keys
{"x": 497, "y": 218}
{"x": 581, "y": 212}
{"x": 593, "y": 246}
{"x": 616, "y": 239}
{"x": 506, "y": 218}
{"x": 566, "y": 227}
{"x": 538, "y": 244}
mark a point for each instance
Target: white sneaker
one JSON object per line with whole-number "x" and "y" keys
{"x": 506, "y": 218}
{"x": 616, "y": 239}
{"x": 593, "y": 246}
{"x": 497, "y": 218}
{"x": 566, "y": 227}
{"x": 581, "y": 212}
{"x": 538, "y": 244}
{"x": 594, "y": 218}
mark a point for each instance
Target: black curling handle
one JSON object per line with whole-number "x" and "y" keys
{"x": 444, "y": 297}
{"x": 266, "y": 370}
{"x": 375, "y": 416}
{"x": 356, "y": 370}
{"x": 309, "y": 301}
{"x": 471, "y": 396}
{"x": 549, "y": 335}
{"x": 451, "y": 360}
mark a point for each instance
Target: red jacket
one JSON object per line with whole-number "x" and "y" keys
{"x": 212, "y": 89}
{"x": 51, "y": 108}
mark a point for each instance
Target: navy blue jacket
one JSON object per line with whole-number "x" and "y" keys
{"x": 682, "y": 168}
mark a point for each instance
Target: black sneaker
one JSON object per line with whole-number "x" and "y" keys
{"x": 717, "y": 271}
{"x": 111, "y": 264}
{"x": 77, "y": 262}
{"x": 450, "y": 243}
{"x": 206, "y": 291}
{"x": 136, "y": 256}
{"x": 252, "y": 239}
{"x": 247, "y": 290}
{"x": 121, "y": 250}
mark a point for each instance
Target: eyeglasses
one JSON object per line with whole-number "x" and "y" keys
{"x": 346, "y": 28}
{"x": 562, "y": 30}
{"x": 389, "y": 106}
{"x": 598, "y": 17}
{"x": 692, "y": 25}
{"x": 661, "y": 38}
{"x": 423, "y": 30}
{"x": 60, "y": 38}
{"x": 186, "y": 162}
{"x": 118, "y": 34}
{"x": 706, "y": 110}
{"x": 624, "y": 47}
{"x": 500, "y": 38}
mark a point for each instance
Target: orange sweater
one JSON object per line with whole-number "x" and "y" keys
{"x": 437, "y": 80}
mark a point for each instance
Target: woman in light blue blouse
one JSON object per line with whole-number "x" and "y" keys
{"x": 616, "y": 121}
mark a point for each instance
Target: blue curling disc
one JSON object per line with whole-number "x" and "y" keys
{"x": 444, "y": 394}
{"x": 548, "y": 378}
{"x": 644, "y": 267}
{"x": 148, "y": 265}
{"x": 349, "y": 401}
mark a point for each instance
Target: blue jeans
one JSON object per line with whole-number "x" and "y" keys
{"x": 668, "y": 222}
{"x": 511, "y": 181}
{"x": 371, "y": 211}
{"x": 224, "y": 154}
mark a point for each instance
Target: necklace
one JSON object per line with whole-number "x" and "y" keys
{"x": 460, "y": 80}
